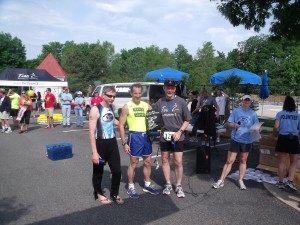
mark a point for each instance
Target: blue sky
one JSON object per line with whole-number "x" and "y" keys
{"x": 125, "y": 23}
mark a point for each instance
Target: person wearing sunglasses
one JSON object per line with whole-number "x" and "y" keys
{"x": 105, "y": 147}
{"x": 25, "y": 104}
{"x": 240, "y": 121}
{"x": 96, "y": 99}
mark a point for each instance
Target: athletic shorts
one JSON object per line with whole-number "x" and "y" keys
{"x": 140, "y": 144}
{"x": 4, "y": 115}
{"x": 14, "y": 112}
{"x": 168, "y": 146}
{"x": 49, "y": 112}
{"x": 239, "y": 147}
{"x": 287, "y": 144}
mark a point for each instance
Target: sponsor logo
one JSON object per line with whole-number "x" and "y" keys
{"x": 32, "y": 76}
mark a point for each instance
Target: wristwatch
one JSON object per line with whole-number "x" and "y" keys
{"x": 124, "y": 143}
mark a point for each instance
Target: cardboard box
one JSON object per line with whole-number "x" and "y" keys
{"x": 268, "y": 141}
{"x": 268, "y": 156}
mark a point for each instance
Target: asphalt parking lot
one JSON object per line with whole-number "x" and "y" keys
{"x": 36, "y": 190}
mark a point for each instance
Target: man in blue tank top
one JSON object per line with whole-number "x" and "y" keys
{"x": 104, "y": 147}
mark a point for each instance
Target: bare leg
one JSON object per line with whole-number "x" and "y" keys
{"x": 293, "y": 165}
{"x": 178, "y": 167}
{"x": 165, "y": 157}
{"x": 231, "y": 156}
{"x": 282, "y": 165}
{"x": 147, "y": 168}
{"x": 243, "y": 164}
{"x": 131, "y": 169}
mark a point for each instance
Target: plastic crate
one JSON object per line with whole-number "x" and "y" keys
{"x": 59, "y": 151}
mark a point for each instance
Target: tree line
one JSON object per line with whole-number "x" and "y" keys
{"x": 93, "y": 63}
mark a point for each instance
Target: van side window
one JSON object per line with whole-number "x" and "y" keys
{"x": 123, "y": 91}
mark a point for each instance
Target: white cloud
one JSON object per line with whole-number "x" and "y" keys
{"x": 124, "y": 23}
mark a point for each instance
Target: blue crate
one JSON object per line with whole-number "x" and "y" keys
{"x": 59, "y": 151}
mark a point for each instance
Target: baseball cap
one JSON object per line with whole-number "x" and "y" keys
{"x": 79, "y": 92}
{"x": 169, "y": 83}
{"x": 247, "y": 96}
{"x": 66, "y": 88}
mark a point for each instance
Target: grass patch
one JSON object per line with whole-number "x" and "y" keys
{"x": 267, "y": 122}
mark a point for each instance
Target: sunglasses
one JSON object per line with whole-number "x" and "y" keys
{"x": 23, "y": 93}
{"x": 110, "y": 96}
{"x": 247, "y": 99}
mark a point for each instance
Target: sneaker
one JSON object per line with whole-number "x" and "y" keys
{"x": 242, "y": 185}
{"x": 150, "y": 189}
{"x": 179, "y": 192}
{"x": 291, "y": 185}
{"x": 132, "y": 193}
{"x": 218, "y": 184}
{"x": 218, "y": 140}
{"x": 8, "y": 130}
{"x": 3, "y": 130}
{"x": 280, "y": 185}
{"x": 167, "y": 190}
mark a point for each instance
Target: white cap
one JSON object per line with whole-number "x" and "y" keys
{"x": 79, "y": 92}
{"x": 247, "y": 96}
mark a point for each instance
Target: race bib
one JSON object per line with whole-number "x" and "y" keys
{"x": 168, "y": 135}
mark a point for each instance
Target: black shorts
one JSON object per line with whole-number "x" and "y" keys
{"x": 14, "y": 112}
{"x": 239, "y": 147}
{"x": 167, "y": 146}
{"x": 26, "y": 117}
{"x": 287, "y": 144}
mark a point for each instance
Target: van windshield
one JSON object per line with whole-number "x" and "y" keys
{"x": 124, "y": 91}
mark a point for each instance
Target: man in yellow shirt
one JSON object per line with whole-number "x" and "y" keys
{"x": 138, "y": 144}
{"x": 14, "y": 99}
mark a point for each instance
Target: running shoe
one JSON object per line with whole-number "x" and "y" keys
{"x": 167, "y": 190}
{"x": 291, "y": 185}
{"x": 218, "y": 184}
{"x": 150, "y": 189}
{"x": 242, "y": 185}
{"x": 280, "y": 185}
{"x": 179, "y": 192}
{"x": 132, "y": 193}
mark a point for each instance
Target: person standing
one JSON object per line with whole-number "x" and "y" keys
{"x": 104, "y": 147}
{"x": 5, "y": 107}
{"x": 49, "y": 107}
{"x": 79, "y": 101}
{"x": 175, "y": 117}
{"x": 25, "y": 104}
{"x": 240, "y": 121}
{"x": 66, "y": 100}
{"x": 287, "y": 127}
{"x": 138, "y": 143}
{"x": 96, "y": 99}
{"x": 14, "y": 98}
{"x": 39, "y": 102}
{"x": 221, "y": 101}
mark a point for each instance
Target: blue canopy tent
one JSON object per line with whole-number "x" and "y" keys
{"x": 166, "y": 73}
{"x": 247, "y": 77}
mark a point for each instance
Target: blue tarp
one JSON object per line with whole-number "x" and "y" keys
{"x": 247, "y": 77}
{"x": 166, "y": 73}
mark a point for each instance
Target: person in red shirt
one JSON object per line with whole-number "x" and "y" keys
{"x": 96, "y": 99}
{"x": 49, "y": 107}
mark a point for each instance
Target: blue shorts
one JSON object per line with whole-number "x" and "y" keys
{"x": 140, "y": 144}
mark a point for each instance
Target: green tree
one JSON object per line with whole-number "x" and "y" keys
{"x": 254, "y": 13}
{"x": 56, "y": 48}
{"x": 203, "y": 67}
{"x": 183, "y": 58}
{"x": 13, "y": 52}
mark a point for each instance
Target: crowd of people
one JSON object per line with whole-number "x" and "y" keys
{"x": 175, "y": 118}
{"x": 21, "y": 107}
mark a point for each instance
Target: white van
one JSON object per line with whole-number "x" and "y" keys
{"x": 151, "y": 92}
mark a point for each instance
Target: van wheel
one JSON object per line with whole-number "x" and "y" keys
{"x": 87, "y": 112}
